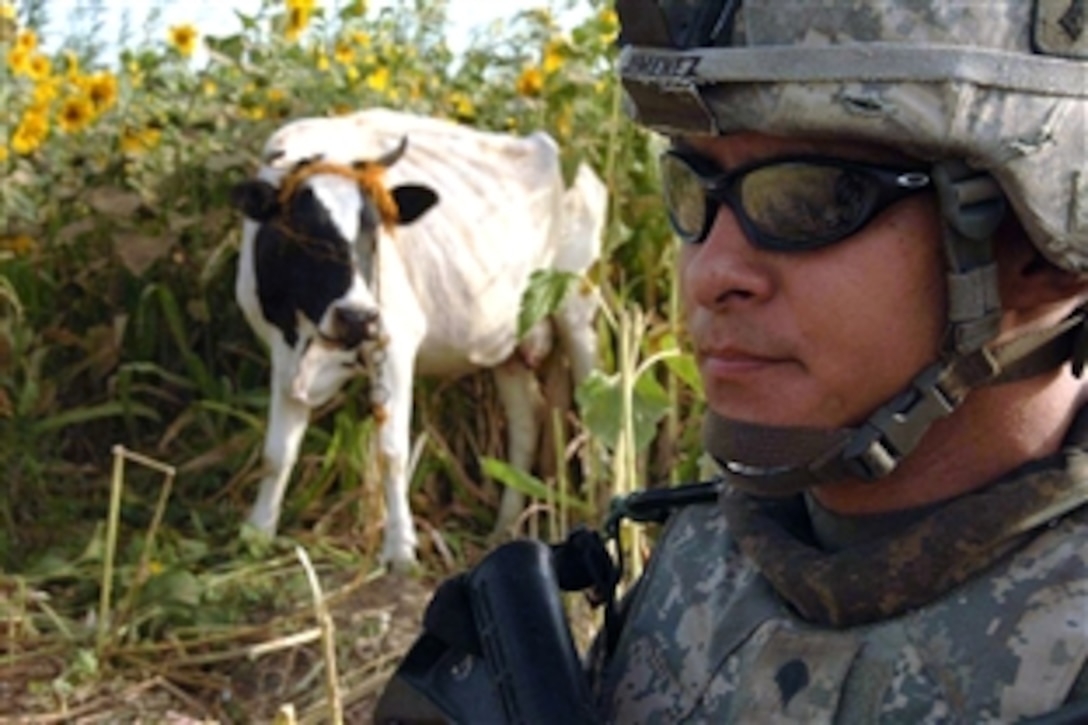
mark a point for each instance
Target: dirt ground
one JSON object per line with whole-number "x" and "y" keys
{"x": 375, "y": 622}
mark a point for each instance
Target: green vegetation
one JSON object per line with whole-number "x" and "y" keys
{"x": 118, "y": 328}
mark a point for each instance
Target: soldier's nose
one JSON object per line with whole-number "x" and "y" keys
{"x": 352, "y": 325}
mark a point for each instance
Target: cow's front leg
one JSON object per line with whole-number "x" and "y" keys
{"x": 520, "y": 397}
{"x": 287, "y": 421}
{"x": 392, "y": 399}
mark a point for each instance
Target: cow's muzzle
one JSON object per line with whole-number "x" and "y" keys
{"x": 352, "y": 326}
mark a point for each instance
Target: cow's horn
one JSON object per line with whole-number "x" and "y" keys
{"x": 391, "y": 157}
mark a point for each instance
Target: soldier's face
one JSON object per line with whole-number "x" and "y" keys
{"x": 820, "y": 337}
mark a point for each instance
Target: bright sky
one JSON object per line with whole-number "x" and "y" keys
{"x": 217, "y": 17}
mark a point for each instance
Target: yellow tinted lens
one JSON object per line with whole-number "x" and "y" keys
{"x": 804, "y": 202}
{"x": 685, "y": 197}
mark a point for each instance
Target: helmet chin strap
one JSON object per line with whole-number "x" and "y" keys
{"x": 780, "y": 461}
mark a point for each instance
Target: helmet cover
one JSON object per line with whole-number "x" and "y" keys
{"x": 1000, "y": 84}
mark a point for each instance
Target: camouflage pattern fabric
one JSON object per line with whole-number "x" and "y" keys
{"x": 976, "y": 613}
{"x": 997, "y": 83}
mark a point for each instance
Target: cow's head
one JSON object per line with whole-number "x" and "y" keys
{"x": 315, "y": 249}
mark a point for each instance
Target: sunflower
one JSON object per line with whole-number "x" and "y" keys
{"x": 184, "y": 37}
{"x": 27, "y": 40}
{"x": 297, "y": 20}
{"x": 31, "y": 132}
{"x": 4, "y": 153}
{"x": 45, "y": 92}
{"x": 344, "y": 53}
{"x": 379, "y": 80}
{"x": 19, "y": 61}
{"x": 75, "y": 113}
{"x": 101, "y": 88}
{"x": 554, "y": 53}
{"x": 131, "y": 142}
{"x": 136, "y": 141}
{"x": 609, "y": 25}
{"x": 530, "y": 83}
{"x": 40, "y": 67}
{"x": 463, "y": 108}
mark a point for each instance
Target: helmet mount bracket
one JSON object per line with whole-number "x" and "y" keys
{"x": 972, "y": 206}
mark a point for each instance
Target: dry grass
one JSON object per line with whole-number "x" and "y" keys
{"x": 321, "y": 651}
{"x": 307, "y": 627}
{"x": 246, "y": 673}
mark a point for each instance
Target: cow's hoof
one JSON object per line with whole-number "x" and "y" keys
{"x": 402, "y": 561}
{"x": 258, "y": 542}
{"x": 251, "y": 530}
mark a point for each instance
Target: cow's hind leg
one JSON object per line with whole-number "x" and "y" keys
{"x": 520, "y": 397}
{"x": 287, "y": 421}
{"x": 576, "y": 327}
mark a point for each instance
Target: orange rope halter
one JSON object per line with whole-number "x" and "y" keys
{"x": 369, "y": 176}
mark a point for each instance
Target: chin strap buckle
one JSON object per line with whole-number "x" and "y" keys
{"x": 878, "y": 446}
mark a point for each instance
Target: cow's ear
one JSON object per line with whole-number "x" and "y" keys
{"x": 413, "y": 201}
{"x": 255, "y": 198}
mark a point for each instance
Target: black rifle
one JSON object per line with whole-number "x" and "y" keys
{"x": 496, "y": 646}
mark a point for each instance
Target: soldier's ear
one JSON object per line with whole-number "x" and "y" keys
{"x": 255, "y": 198}
{"x": 413, "y": 201}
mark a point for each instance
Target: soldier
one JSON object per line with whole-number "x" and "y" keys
{"x": 883, "y": 212}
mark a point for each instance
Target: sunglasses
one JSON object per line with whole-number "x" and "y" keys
{"x": 786, "y": 204}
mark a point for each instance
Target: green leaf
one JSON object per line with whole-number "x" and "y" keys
{"x": 173, "y": 587}
{"x": 600, "y": 402}
{"x": 528, "y": 484}
{"x": 88, "y": 413}
{"x": 177, "y": 326}
{"x": 546, "y": 291}
{"x": 682, "y": 366}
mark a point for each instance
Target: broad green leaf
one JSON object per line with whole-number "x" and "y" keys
{"x": 546, "y": 291}
{"x": 173, "y": 587}
{"x": 600, "y": 401}
{"x": 682, "y": 366}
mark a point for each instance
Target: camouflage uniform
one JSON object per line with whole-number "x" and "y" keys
{"x": 762, "y": 609}
{"x": 975, "y": 612}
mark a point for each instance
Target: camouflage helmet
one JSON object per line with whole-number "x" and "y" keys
{"x": 1000, "y": 84}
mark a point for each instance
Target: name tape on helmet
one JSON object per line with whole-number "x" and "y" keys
{"x": 651, "y": 64}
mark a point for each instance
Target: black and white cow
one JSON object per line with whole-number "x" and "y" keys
{"x": 415, "y": 237}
